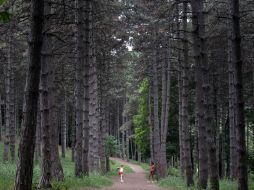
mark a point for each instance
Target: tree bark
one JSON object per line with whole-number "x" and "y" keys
{"x": 239, "y": 104}
{"x": 1, "y": 118}
{"x": 64, "y": 124}
{"x": 150, "y": 121}
{"x": 56, "y": 167}
{"x": 38, "y": 134}
{"x": 232, "y": 127}
{"x": 87, "y": 53}
{"x": 160, "y": 129}
{"x": 24, "y": 172}
{"x": 45, "y": 181}
{"x": 211, "y": 128}
{"x": 93, "y": 109}
{"x": 156, "y": 127}
{"x": 184, "y": 109}
{"x": 7, "y": 114}
{"x": 11, "y": 103}
{"x": 103, "y": 135}
{"x": 179, "y": 90}
{"x": 79, "y": 89}
{"x": 198, "y": 38}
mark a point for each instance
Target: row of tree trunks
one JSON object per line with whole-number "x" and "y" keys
{"x": 205, "y": 111}
{"x": 160, "y": 127}
{"x": 10, "y": 126}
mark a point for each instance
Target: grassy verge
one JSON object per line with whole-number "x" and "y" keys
{"x": 8, "y": 169}
{"x": 175, "y": 182}
{"x": 144, "y": 166}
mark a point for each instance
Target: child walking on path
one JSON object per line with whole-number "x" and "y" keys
{"x": 120, "y": 173}
{"x": 152, "y": 172}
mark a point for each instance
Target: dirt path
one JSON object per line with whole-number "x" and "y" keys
{"x": 133, "y": 181}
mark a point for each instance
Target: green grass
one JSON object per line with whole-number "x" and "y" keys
{"x": 176, "y": 182}
{"x": 8, "y": 169}
{"x": 144, "y": 166}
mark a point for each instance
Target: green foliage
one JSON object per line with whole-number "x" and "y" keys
{"x": 111, "y": 146}
{"x": 73, "y": 183}
{"x": 4, "y": 15}
{"x": 141, "y": 120}
{"x": 174, "y": 182}
{"x": 8, "y": 169}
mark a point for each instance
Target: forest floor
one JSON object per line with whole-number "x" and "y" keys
{"x": 133, "y": 181}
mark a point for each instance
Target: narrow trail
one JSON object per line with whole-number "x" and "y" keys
{"x": 133, "y": 181}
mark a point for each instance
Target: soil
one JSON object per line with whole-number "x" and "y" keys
{"x": 133, "y": 181}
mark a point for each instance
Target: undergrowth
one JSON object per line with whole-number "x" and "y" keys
{"x": 8, "y": 170}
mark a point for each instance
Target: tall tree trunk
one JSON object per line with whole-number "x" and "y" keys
{"x": 73, "y": 134}
{"x": 156, "y": 127}
{"x": 184, "y": 109}
{"x": 127, "y": 145}
{"x": 8, "y": 116}
{"x": 179, "y": 90}
{"x": 232, "y": 126}
{"x": 64, "y": 128}
{"x": 103, "y": 135}
{"x": 160, "y": 129}
{"x": 198, "y": 38}
{"x": 150, "y": 121}
{"x": 12, "y": 127}
{"x": 93, "y": 111}
{"x": 87, "y": 53}
{"x": 24, "y": 172}
{"x": 239, "y": 104}
{"x": 211, "y": 128}
{"x": 123, "y": 144}
{"x": 164, "y": 126}
{"x": 56, "y": 167}
{"x": 1, "y": 119}
{"x": 45, "y": 181}
{"x": 38, "y": 134}
{"x": 64, "y": 123}
{"x": 118, "y": 117}
{"x": 79, "y": 88}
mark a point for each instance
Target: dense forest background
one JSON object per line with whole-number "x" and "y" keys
{"x": 168, "y": 81}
